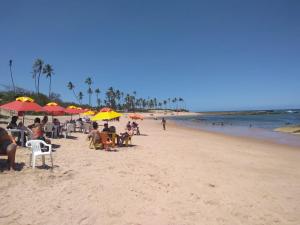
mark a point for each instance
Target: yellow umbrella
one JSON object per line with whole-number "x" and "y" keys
{"x": 106, "y": 116}
{"x": 89, "y": 113}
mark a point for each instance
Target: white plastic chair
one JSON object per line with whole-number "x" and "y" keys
{"x": 36, "y": 150}
{"x": 48, "y": 128}
{"x": 70, "y": 127}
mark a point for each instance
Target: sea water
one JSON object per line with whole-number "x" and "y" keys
{"x": 255, "y": 124}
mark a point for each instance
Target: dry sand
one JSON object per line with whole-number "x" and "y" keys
{"x": 174, "y": 177}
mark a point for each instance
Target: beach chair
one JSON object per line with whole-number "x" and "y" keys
{"x": 48, "y": 128}
{"x": 79, "y": 126}
{"x": 94, "y": 144}
{"x": 87, "y": 128}
{"x": 113, "y": 137}
{"x": 69, "y": 127}
{"x": 41, "y": 148}
{"x": 105, "y": 140}
{"x": 127, "y": 140}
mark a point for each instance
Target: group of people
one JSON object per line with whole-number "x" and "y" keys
{"x": 8, "y": 144}
{"x": 96, "y": 136}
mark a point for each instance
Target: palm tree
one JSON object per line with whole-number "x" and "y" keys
{"x": 80, "y": 97}
{"x": 11, "y": 75}
{"x": 48, "y": 70}
{"x": 90, "y": 92}
{"x": 181, "y": 100}
{"x": 169, "y": 101}
{"x": 89, "y": 82}
{"x": 97, "y": 91}
{"x": 71, "y": 87}
{"x": 175, "y": 101}
{"x": 37, "y": 69}
{"x": 165, "y": 103}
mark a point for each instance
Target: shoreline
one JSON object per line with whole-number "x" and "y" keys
{"x": 290, "y": 131}
{"x": 231, "y": 136}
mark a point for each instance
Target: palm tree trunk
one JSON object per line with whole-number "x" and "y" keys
{"x": 75, "y": 95}
{"x": 35, "y": 85}
{"x": 12, "y": 79}
{"x": 50, "y": 87}
{"x": 38, "y": 84}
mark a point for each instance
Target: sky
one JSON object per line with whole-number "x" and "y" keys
{"x": 215, "y": 54}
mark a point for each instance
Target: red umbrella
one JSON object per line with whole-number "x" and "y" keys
{"x": 72, "y": 110}
{"x": 54, "y": 109}
{"x": 105, "y": 109}
{"x": 23, "y": 104}
{"x": 81, "y": 110}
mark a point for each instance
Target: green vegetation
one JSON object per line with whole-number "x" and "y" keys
{"x": 112, "y": 98}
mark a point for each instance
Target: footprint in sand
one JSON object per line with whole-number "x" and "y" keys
{"x": 83, "y": 221}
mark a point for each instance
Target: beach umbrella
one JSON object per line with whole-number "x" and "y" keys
{"x": 23, "y": 104}
{"x": 106, "y": 116}
{"x": 71, "y": 109}
{"x": 105, "y": 109}
{"x": 136, "y": 116}
{"x": 89, "y": 113}
{"x": 81, "y": 110}
{"x": 54, "y": 109}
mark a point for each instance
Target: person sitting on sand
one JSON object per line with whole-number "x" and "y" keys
{"x": 8, "y": 146}
{"x": 37, "y": 131}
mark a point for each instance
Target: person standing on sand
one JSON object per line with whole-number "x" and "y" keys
{"x": 163, "y": 121}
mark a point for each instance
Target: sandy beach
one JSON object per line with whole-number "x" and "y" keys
{"x": 175, "y": 177}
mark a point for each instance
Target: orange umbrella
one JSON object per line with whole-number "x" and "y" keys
{"x": 136, "y": 116}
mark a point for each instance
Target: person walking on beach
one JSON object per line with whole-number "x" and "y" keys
{"x": 163, "y": 121}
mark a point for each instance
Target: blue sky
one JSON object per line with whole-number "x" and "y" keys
{"x": 217, "y": 55}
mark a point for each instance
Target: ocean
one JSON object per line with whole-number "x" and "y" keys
{"x": 255, "y": 124}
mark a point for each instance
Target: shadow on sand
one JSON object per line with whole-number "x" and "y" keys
{"x": 4, "y": 165}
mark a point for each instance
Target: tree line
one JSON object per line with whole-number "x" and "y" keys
{"x": 113, "y": 98}
{"x": 117, "y": 99}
